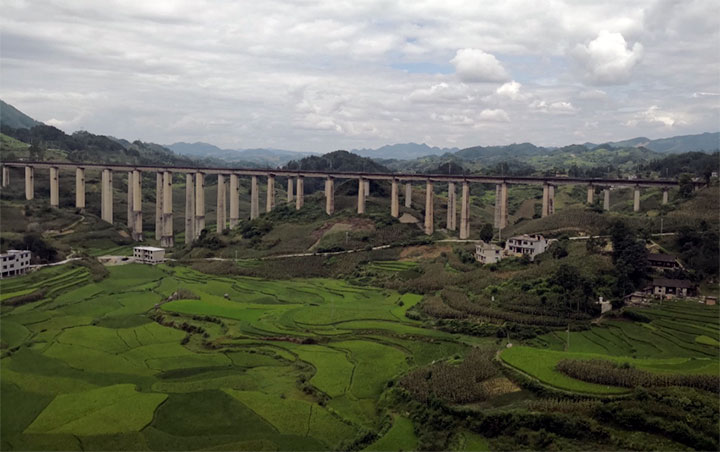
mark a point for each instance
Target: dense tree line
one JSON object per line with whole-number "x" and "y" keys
{"x": 700, "y": 164}
{"x": 610, "y": 373}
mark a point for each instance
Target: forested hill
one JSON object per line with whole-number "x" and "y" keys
{"x": 338, "y": 161}
{"x": 12, "y": 117}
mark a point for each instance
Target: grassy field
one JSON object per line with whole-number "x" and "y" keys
{"x": 255, "y": 364}
{"x": 681, "y": 338}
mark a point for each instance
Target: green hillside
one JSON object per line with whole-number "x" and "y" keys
{"x": 14, "y": 118}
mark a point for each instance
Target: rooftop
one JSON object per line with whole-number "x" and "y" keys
{"x": 679, "y": 283}
{"x": 661, "y": 257}
{"x": 149, "y": 248}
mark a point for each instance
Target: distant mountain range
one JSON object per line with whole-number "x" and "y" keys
{"x": 406, "y": 151}
{"x": 683, "y": 143}
{"x": 261, "y": 157}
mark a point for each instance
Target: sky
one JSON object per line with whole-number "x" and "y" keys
{"x": 319, "y": 76}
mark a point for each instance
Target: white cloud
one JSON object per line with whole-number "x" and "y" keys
{"x": 656, "y": 116}
{"x": 510, "y": 90}
{"x": 607, "y": 60}
{"x": 558, "y": 107}
{"x": 494, "y": 115}
{"x": 474, "y": 65}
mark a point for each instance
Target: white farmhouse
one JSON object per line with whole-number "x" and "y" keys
{"x": 149, "y": 255}
{"x": 487, "y": 253}
{"x": 527, "y": 245}
{"x": 15, "y": 262}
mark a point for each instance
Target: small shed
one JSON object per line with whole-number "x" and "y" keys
{"x": 660, "y": 260}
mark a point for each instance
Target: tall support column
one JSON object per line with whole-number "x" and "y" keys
{"x": 361, "y": 196}
{"x": 329, "y": 196}
{"x": 503, "y": 206}
{"x": 234, "y": 200}
{"x": 606, "y": 198}
{"x": 408, "y": 194}
{"x": 367, "y": 188}
{"x": 429, "y": 208}
{"x": 79, "y": 188}
{"x": 451, "y": 208}
{"x": 465, "y": 212}
{"x": 199, "y": 203}
{"x": 551, "y": 199}
{"x": 106, "y": 207}
{"x": 5, "y": 176}
{"x": 291, "y": 189}
{"x": 167, "y": 239}
{"x": 496, "y": 219}
{"x": 130, "y": 197}
{"x": 158, "y": 206}
{"x": 221, "y": 193}
{"x": 137, "y": 232}
{"x": 29, "y": 183}
{"x": 300, "y": 195}
{"x": 270, "y": 201}
{"x": 394, "y": 201}
{"x": 636, "y": 199}
{"x": 590, "y": 194}
{"x": 254, "y": 198}
{"x": 665, "y": 196}
{"x": 189, "y": 208}
{"x": 54, "y": 187}
{"x": 546, "y": 200}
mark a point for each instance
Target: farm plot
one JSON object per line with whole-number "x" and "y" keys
{"x": 241, "y": 363}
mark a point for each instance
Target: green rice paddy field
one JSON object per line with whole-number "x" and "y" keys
{"x": 242, "y": 363}
{"x": 681, "y": 337}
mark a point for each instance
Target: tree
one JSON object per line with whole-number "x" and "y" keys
{"x": 486, "y": 232}
{"x": 686, "y": 185}
{"x": 630, "y": 258}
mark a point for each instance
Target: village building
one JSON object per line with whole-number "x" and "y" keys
{"x": 526, "y": 245}
{"x": 149, "y": 255}
{"x": 662, "y": 261}
{"x": 487, "y": 253}
{"x": 15, "y": 262}
{"x": 672, "y": 288}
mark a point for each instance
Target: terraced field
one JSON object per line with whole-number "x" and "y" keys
{"x": 680, "y": 338}
{"x": 236, "y": 363}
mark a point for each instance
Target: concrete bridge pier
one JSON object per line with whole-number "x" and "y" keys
{"x": 367, "y": 188}
{"x": 199, "y": 203}
{"x": 551, "y": 199}
{"x": 137, "y": 232}
{"x": 106, "y": 206}
{"x": 429, "y": 208}
{"x": 590, "y": 194}
{"x": 290, "y": 189}
{"x": 221, "y": 193}
{"x": 167, "y": 240}
{"x": 300, "y": 195}
{"x": 465, "y": 212}
{"x": 665, "y": 196}
{"x": 270, "y": 200}
{"x": 189, "y": 208}
{"x": 606, "y": 198}
{"x": 80, "y": 188}
{"x": 546, "y": 201}
{"x": 54, "y": 187}
{"x": 234, "y": 200}
{"x": 5, "y": 176}
{"x": 502, "y": 224}
{"x": 254, "y": 198}
{"x": 408, "y": 194}
{"x": 496, "y": 222}
{"x": 158, "y": 206}
{"x": 29, "y": 183}
{"x": 451, "y": 208}
{"x": 130, "y": 221}
{"x": 636, "y": 199}
{"x": 394, "y": 201}
{"x": 361, "y": 196}
{"x": 329, "y": 196}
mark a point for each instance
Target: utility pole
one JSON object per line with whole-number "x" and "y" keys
{"x": 567, "y": 343}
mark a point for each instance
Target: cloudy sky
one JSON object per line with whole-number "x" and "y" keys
{"x": 319, "y": 76}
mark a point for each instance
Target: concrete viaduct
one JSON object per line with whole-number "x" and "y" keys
{"x": 195, "y": 193}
